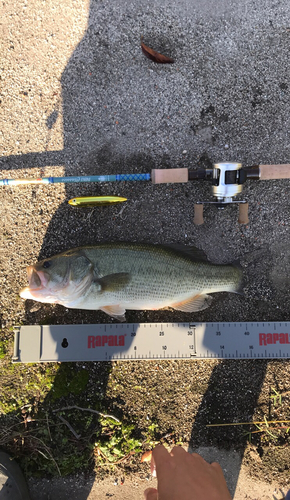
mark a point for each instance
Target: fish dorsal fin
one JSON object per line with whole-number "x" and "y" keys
{"x": 115, "y": 311}
{"x": 192, "y": 251}
{"x": 197, "y": 303}
{"x": 113, "y": 282}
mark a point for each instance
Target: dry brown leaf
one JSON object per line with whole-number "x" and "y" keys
{"x": 146, "y": 457}
{"x": 155, "y": 56}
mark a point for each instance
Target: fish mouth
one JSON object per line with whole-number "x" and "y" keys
{"x": 37, "y": 283}
{"x": 37, "y": 279}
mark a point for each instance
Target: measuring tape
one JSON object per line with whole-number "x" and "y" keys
{"x": 151, "y": 341}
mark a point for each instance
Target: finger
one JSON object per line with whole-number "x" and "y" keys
{"x": 160, "y": 459}
{"x": 221, "y": 480}
{"x": 217, "y": 467}
{"x": 197, "y": 456}
{"x": 177, "y": 451}
{"x": 160, "y": 455}
{"x": 151, "y": 494}
{"x": 218, "y": 470}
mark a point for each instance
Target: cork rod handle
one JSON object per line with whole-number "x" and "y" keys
{"x": 173, "y": 175}
{"x": 274, "y": 172}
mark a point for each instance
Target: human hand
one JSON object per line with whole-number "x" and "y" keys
{"x": 185, "y": 476}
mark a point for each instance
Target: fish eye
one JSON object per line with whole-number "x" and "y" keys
{"x": 46, "y": 264}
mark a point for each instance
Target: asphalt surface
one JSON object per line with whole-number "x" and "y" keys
{"x": 79, "y": 97}
{"x": 105, "y": 108}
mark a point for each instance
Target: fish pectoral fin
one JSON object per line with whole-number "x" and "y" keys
{"x": 113, "y": 282}
{"x": 196, "y": 303}
{"x": 115, "y": 311}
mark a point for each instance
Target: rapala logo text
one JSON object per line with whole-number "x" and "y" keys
{"x": 274, "y": 338}
{"x": 106, "y": 340}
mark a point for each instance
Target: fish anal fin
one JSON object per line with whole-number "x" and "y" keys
{"x": 115, "y": 311}
{"x": 193, "y": 304}
{"x": 113, "y": 282}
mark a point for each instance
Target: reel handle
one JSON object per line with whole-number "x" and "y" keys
{"x": 198, "y": 214}
{"x": 243, "y": 213}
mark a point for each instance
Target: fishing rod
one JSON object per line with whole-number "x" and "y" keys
{"x": 227, "y": 181}
{"x": 76, "y": 179}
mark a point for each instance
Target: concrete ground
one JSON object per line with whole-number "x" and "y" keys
{"x": 78, "y": 488}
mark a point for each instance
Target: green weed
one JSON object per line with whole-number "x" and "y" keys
{"x": 116, "y": 442}
{"x": 276, "y": 397}
{"x": 70, "y": 382}
{"x": 3, "y": 348}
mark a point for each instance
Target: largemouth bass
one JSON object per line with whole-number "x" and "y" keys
{"x": 114, "y": 277}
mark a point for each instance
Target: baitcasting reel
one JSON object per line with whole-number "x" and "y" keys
{"x": 227, "y": 182}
